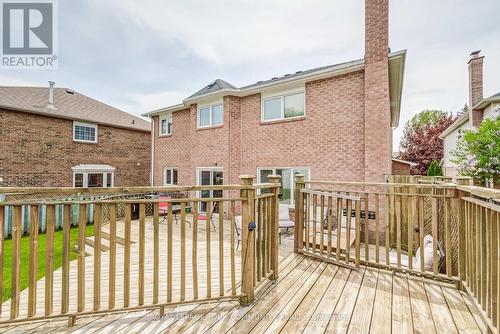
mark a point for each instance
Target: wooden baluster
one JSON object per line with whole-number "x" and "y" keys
{"x": 16, "y": 261}
{"x": 387, "y": 222}
{"x": 412, "y": 221}
{"x": 322, "y": 224}
{"x": 264, "y": 236}
{"x": 421, "y": 232}
{"x": 156, "y": 251}
{"x": 459, "y": 206}
{"x": 142, "y": 243}
{"x": 33, "y": 271}
{"x": 339, "y": 227}
{"x": 221, "y": 248}
{"x": 477, "y": 228}
{"x": 82, "y": 222}
{"x": 126, "y": 256}
{"x": 475, "y": 249}
{"x": 314, "y": 220}
{"x": 367, "y": 227}
{"x": 183, "y": 251}
{"x": 489, "y": 289}
{"x": 447, "y": 235}
{"x": 494, "y": 258}
{"x": 274, "y": 249}
{"x": 398, "y": 229}
{"x": 258, "y": 207}
{"x": 348, "y": 232}
{"x": 270, "y": 233}
{"x": 496, "y": 273}
{"x": 233, "y": 240}
{"x": 208, "y": 251}
{"x": 247, "y": 240}
{"x": 112, "y": 256}
{"x": 2, "y": 252}
{"x": 170, "y": 225}
{"x": 97, "y": 255}
{"x": 329, "y": 226}
{"x": 65, "y": 257}
{"x": 49, "y": 259}
{"x": 483, "y": 257}
{"x": 307, "y": 219}
{"x": 299, "y": 214}
{"x": 435, "y": 235}
{"x": 377, "y": 229}
{"x": 194, "y": 252}
{"x": 358, "y": 232}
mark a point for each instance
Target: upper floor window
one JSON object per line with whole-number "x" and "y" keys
{"x": 283, "y": 106}
{"x": 170, "y": 177}
{"x": 210, "y": 115}
{"x": 166, "y": 125}
{"x": 84, "y": 132}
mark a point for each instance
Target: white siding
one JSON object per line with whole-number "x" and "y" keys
{"x": 449, "y": 144}
{"x": 492, "y": 111}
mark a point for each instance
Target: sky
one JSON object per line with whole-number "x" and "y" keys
{"x": 143, "y": 55}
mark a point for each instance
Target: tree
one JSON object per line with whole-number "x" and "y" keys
{"x": 435, "y": 169}
{"x": 478, "y": 152}
{"x": 421, "y": 143}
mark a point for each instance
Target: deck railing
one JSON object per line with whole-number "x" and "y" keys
{"x": 441, "y": 231}
{"x": 147, "y": 263}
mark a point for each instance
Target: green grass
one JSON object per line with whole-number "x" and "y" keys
{"x": 25, "y": 254}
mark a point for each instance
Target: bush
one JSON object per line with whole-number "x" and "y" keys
{"x": 435, "y": 169}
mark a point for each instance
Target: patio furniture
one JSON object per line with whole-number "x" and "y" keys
{"x": 176, "y": 209}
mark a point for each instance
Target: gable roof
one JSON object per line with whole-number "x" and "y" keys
{"x": 68, "y": 104}
{"x": 215, "y": 86}
{"x": 487, "y": 101}
{"x": 458, "y": 122}
{"x": 220, "y": 87}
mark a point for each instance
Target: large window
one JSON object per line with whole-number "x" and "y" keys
{"x": 84, "y": 132}
{"x": 93, "y": 176}
{"x": 211, "y": 176}
{"x": 282, "y": 107}
{"x": 170, "y": 176}
{"x": 211, "y": 115}
{"x": 166, "y": 125}
{"x": 287, "y": 190}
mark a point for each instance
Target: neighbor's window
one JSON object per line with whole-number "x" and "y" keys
{"x": 170, "y": 178}
{"x": 93, "y": 180}
{"x": 210, "y": 115}
{"x": 285, "y": 106}
{"x": 84, "y": 132}
{"x": 166, "y": 125}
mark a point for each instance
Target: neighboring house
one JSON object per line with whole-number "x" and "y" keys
{"x": 481, "y": 108}
{"x": 56, "y": 137}
{"x": 401, "y": 167}
{"x": 332, "y": 122}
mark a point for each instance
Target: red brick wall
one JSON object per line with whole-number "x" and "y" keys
{"x": 475, "y": 88}
{"x": 39, "y": 151}
{"x": 399, "y": 168}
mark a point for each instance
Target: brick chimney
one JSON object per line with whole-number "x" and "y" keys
{"x": 378, "y": 131}
{"x": 475, "y": 86}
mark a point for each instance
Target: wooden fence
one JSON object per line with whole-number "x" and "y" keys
{"x": 437, "y": 230}
{"x": 102, "y": 282}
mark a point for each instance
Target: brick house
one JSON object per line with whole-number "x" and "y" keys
{"x": 56, "y": 137}
{"x": 332, "y": 122}
{"x": 479, "y": 108}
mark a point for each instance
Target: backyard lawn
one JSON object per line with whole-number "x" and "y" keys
{"x": 25, "y": 253}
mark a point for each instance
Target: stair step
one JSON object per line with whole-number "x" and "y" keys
{"x": 90, "y": 241}
{"x": 107, "y": 236}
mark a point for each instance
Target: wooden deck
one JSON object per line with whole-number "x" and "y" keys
{"x": 309, "y": 297}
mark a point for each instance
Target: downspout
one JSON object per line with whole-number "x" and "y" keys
{"x": 151, "y": 175}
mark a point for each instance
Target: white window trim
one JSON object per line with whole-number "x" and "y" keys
{"x": 198, "y": 170}
{"x": 86, "y": 181}
{"x": 210, "y": 106}
{"x": 89, "y": 125}
{"x": 164, "y": 117}
{"x": 172, "y": 178}
{"x": 282, "y": 96}
{"x": 292, "y": 181}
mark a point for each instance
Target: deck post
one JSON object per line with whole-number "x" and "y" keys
{"x": 299, "y": 215}
{"x": 275, "y": 226}
{"x": 247, "y": 239}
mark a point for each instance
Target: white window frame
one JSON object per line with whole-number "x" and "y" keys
{"x": 95, "y": 169}
{"x": 165, "y": 118}
{"x": 210, "y": 106}
{"x": 281, "y": 96}
{"x": 292, "y": 181}
{"x": 89, "y": 125}
{"x": 171, "y": 169}
{"x": 198, "y": 179}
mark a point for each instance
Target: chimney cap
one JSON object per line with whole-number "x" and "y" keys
{"x": 475, "y": 53}
{"x": 51, "y": 83}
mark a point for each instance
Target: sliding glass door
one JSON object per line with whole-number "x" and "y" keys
{"x": 209, "y": 177}
{"x": 287, "y": 180}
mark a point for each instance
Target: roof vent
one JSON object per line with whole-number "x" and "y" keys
{"x": 69, "y": 91}
{"x": 50, "y": 103}
{"x": 274, "y": 78}
{"x": 133, "y": 121}
{"x": 298, "y": 72}
{"x": 287, "y": 75}
{"x": 260, "y": 81}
